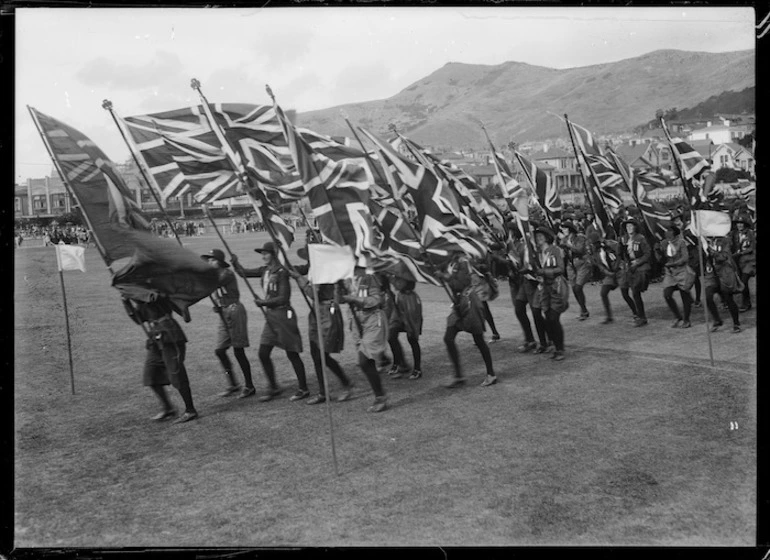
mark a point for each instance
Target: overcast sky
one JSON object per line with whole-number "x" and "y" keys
{"x": 69, "y": 60}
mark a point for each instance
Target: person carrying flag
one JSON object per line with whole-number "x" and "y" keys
{"x": 677, "y": 219}
{"x": 369, "y": 327}
{"x": 552, "y": 291}
{"x": 635, "y": 269}
{"x": 281, "y": 329}
{"x": 744, "y": 244}
{"x": 579, "y": 263}
{"x": 164, "y": 362}
{"x": 606, "y": 260}
{"x": 406, "y": 317}
{"x": 678, "y": 276}
{"x": 721, "y": 277}
{"x": 332, "y": 331}
{"x": 233, "y": 327}
{"x": 467, "y": 315}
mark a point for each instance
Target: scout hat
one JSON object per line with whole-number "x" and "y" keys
{"x": 547, "y": 232}
{"x": 218, "y": 255}
{"x": 268, "y": 247}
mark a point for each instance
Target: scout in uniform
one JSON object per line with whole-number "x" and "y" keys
{"x": 369, "y": 328}
{"x": 233, "y": 326}
{"x": 552, "y": 292}
{"x": 164, "y": 362}
{"x": 634, "y": 273}
{"x": 744, "y": 245}
{"x": 678, "y": 275}
{"x": 607, "y": 262}
{"x": 406, "y": 317}
{"x": 281, "y": 329}
{"x": 579, "y": 263}
{"x": 467, "y": 315}
{"x": 332, "y": 331}
{"x": 721, "y": 277}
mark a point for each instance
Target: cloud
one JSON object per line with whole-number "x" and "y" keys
{"x": 364, "y": 82}
{"x": 285, "y": 46}
{"x": 102, "y": 72}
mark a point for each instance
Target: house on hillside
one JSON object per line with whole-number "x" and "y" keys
{"x": 561, "y": 166}
{"x": 683, "y": 127}
{"x": 744, "y": 159}
{"x": 648, "y": 156}
{"x": 484, "y": 175}
{"x": 718, "y": 134}
{"x": 704, "y": 147}
{"x": 648, "y": 136}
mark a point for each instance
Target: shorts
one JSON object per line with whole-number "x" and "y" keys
{"x": 236, "y": 332}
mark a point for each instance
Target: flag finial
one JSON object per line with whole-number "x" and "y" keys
{"x": 107, "y": 105}
{"x": 195, "y": 84}
{"x": 392, "y": 128}
{"x": 269, "y": 92}
{"x": 344, "y": 114}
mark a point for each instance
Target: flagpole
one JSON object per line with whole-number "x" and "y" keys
{"x": 697, "y": 229}
{"x": 243, "y": 177}
{"x": 634, "y": 194}
{"x": 154, "y": 190}
{"x": 269, "y": 227}
{"x": 583, "y": 177}
{"x": 66, "y": 319}
{"x": 533, "y": 184}
{"x": 227, "y": 248}
{"x": 702, "y": 274}
{"x": 403, "y": 214}
{"x": 325, "y": 377}
{"x": 72, "y": 193}
{"x": 526, "y": 234}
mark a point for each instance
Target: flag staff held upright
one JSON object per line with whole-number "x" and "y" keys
{"x": 243, "y": 178}
{"x": 153, "y": 187}
{"x": 694, "y": 217}
{"x": 73, "y": 194}
{"x": 589, "y": 199}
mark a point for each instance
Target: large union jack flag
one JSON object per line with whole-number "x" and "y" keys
{"x": 443, "y": 228}
{"x": 545, "y": 190}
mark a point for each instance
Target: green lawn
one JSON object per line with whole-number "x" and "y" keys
{"x": 626, "y": 442}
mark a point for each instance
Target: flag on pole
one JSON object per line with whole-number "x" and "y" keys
{"x": 140, "y": 261}
{"x": 70, "y": 257}
{"x": 609, "y": 181}
{"x": 710, "y": 223}
{"x": 330, "y": 263}
{"x": 545, "y": 190}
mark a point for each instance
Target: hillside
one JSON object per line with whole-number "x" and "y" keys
{"x": 518, "y": 101}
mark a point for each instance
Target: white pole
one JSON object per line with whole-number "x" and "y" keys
{"x": 66, "y": 319}
{"x": 323, "y": 373}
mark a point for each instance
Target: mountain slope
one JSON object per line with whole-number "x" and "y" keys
{"x": 518, "y": 101}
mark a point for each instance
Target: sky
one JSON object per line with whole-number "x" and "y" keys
{"x": 69, "y": 60}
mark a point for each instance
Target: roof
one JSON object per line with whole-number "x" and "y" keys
{"x": 552, "y": 153}
{"x": 479, "y": 170}
{"x": 654, "y": 133}
{"x": 632, "y": 153}
{"x": 715, "y": 128}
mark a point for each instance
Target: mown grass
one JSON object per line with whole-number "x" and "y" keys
{"x": 626, "y": 442}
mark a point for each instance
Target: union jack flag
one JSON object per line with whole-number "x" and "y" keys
{"x": 338, "y": 192}
{"x": 545, "y": 190}
{"x": 444, "y": 229}
{"x": 466, "y": 189}
{"x": 141, "y": 262}
{"x": 655, "y": 216}
{"x": 609, "y": 181}
{"x": 518, "y": 199}
{"x": 402, "y": 243}
{"x": 585, "y": 146}
{"x": 98, "y": 188}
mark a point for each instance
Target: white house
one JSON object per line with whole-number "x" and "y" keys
{"x": 718, "y": 134}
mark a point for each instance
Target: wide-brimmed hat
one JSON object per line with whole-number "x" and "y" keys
{"x": 547, "y": 232}
{"x": 268, "y": 247}
{"x": 302, "y": 253}
{"x": 569, "y": 225}
{"x": 217, "y": 254}
{"x": 594, "y": 237}
{"x": 579, "y": 215}
{"x": 631, "y": 220}
{"x": 742, "y": 219}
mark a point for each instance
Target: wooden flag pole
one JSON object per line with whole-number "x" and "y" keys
{"x": 325, "y": 377}
{"x": 702, "y": 274}
{"x": 66, "y": 319}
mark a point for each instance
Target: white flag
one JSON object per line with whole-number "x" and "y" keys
{"x": 329, "y": 263}
{"x": 710, "y": 223}
{"x": 71, "y": 257}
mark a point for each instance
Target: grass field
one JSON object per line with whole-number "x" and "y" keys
{"x": 626, "y": 442}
